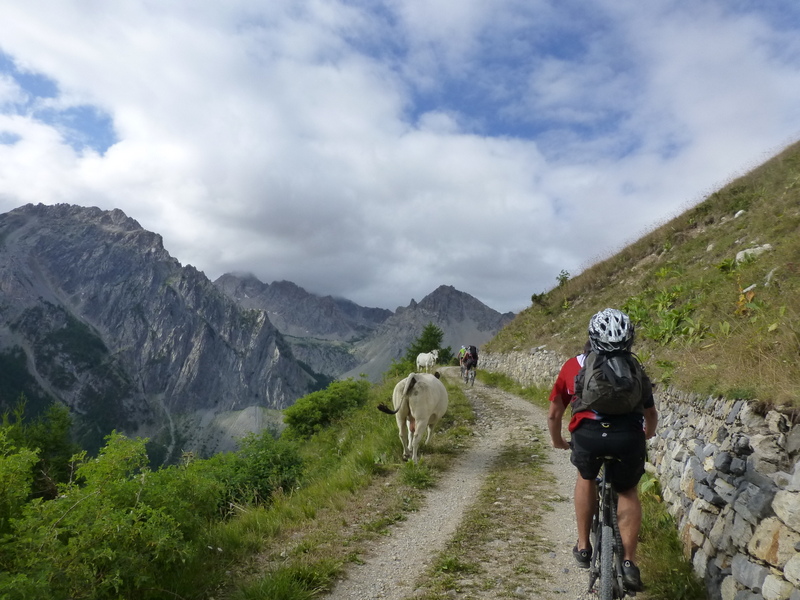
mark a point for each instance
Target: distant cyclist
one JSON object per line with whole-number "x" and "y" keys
{"x": 470, "y": 358}
{"x": 461, "y": 354}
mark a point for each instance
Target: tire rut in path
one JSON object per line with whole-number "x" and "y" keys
{"x": 390, "y": 570}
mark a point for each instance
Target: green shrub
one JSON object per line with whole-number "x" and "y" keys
{"x": 315, "y": 411}
{"x": 119, "y": 530}
{"x": 16, "y": 474}
{"x": 48, "y": 436}
{"x": 264, "y": 465}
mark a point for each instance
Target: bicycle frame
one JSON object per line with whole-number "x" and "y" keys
{"x": 607, "y": 553}
{"x": 469, "y": 376}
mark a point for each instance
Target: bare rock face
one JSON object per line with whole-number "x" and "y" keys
{"x": 95, "y": 313}
{"x": 298, "y": 313}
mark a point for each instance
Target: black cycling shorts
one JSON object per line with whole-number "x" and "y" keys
{"x": 470, "y": 363}
{"x": 622, "y": 438}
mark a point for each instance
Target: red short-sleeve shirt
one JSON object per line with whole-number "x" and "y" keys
{"x": 564, "y": 390}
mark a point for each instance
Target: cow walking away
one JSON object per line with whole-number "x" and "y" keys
{"x": 427, "y": 360}
{"x": 420, "y": 400}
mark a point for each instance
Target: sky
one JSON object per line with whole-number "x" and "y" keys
{"x": 377, "y": 149}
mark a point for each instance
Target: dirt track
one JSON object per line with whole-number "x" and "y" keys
{"x": 540, "y": 520}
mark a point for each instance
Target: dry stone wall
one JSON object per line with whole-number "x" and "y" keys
{"x": 730, "y": 476}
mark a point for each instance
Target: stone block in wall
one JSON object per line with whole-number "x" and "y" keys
{"x": 782, "y": 480}
{"x": 727, "y": 588}
{"x": 668, "y": 495}
{"x": 773, "y": 542}
{"x": 767, "y": 457}
{"x": 738, "y": 466}
{"x": 747, "y": 595}
{"x": 678, "y": 453}
{"x": 719, "y": 435}
{"x": 720, "y": 534}
{"x": 741, "y": 532}
{"x": 703, "y": 515}
{"x": 740, "y": 444}
{"x": 725, "y": 490}
{"x": 730, "y": 418}
{"x": 747, "y": 573}
{"x": 700, "y": 563}
{"x": 759, "y": 479}
{"x": 791, "y": 570}
{"x": 722, "y": 462}
{"x": 752, "y": 502}
{"x": 792, "y": 442}
{"x": 749, "y": 418}
{"x": 795, "y": 484}
{"x": 776, "y": 588}
{"x": 709, "y": 495}
{"x": 688, "y": 434}
{"x": 674, "y": 483}
{"x": 777, "y": 422}
{"x": 787, "y": 507}
{"x": 693, "y": 473}
{"x": 697, "y": 447}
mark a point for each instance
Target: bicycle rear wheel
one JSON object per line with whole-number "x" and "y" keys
{"x": 606, "y": 583}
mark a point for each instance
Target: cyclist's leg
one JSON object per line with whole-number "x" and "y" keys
{"x": 585, "y": 507}
{"x": 625, "y": 475}
{"x": 586, "y": 441}
{"x": 629, "y": 517}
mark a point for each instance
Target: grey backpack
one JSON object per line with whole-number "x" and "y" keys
{"x": 610, "y": 383}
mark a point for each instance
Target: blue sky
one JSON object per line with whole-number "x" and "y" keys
{"x": 378, "y": 149}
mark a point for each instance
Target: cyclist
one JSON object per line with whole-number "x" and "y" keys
{"x": 470, "y": 358}
{"x": 461, "y": 354}
{"x": 595, "y": 435}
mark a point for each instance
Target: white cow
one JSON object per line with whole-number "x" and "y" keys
{"x": 420, "y": 400}
{"x": 427, "y": 360}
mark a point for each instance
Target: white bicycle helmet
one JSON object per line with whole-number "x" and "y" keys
{"x": 610, "y": 330}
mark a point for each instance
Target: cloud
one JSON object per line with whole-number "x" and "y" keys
{"x": 377, "y": 150}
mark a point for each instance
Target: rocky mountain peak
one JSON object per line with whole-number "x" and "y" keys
{"x": 107, "y": 322}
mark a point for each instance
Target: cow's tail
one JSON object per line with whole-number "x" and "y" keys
{"x": 411, "y": 381}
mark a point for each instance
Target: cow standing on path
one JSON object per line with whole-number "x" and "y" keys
{"x": 427, "y": 360}
{"x": 420, "y": 400}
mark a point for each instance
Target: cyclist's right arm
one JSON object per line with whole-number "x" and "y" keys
{"x": 554, "y": 420}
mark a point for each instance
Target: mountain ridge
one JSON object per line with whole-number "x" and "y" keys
{"x": 113, "y": 326}
{"x": 96, "y": 314}
{"x": 367, "y": 340}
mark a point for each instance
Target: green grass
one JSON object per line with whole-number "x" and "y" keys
{"x": 669, "y": 574}
{"x": 535, "y": 395}
{"x": 700, "y": 326}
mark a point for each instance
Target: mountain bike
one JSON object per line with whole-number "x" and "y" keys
{"x": 469, "y": 376}
{"x": 605, "y": 569}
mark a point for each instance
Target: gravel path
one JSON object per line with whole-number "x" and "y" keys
{"x": 390, "y": 569}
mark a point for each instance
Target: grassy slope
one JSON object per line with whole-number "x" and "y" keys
{"x": 699, "y": 325}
